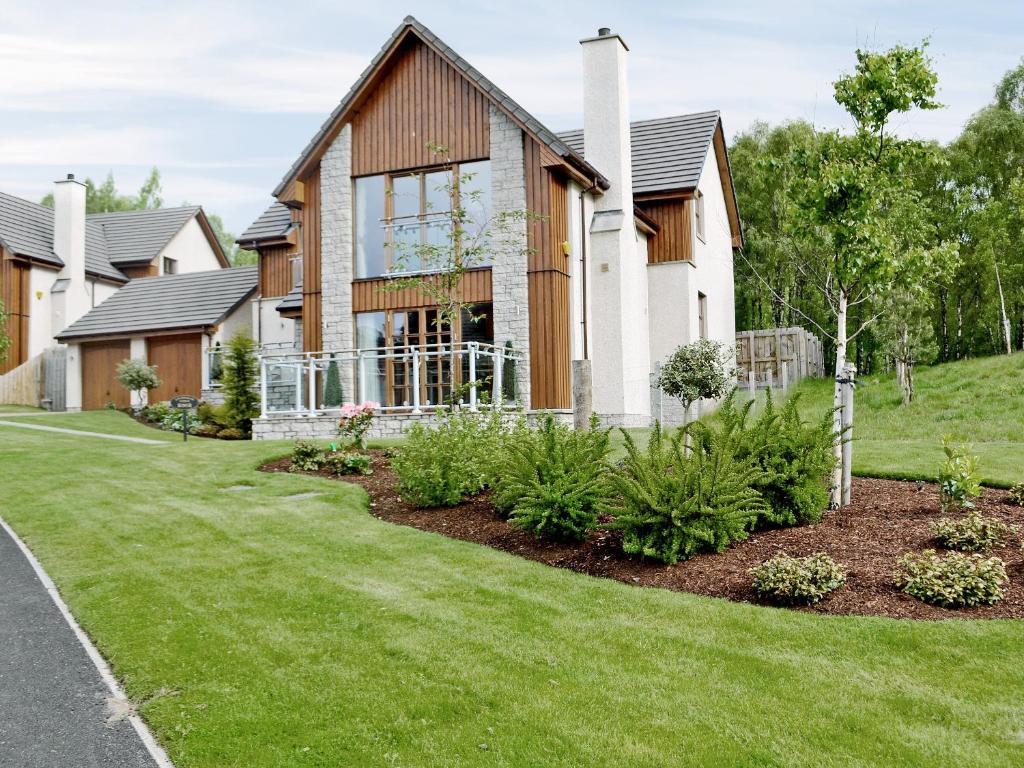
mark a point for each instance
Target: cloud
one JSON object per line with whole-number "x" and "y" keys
{"x": 126, "y": 145}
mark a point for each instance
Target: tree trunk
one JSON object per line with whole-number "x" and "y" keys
{"x": 837, "y": 400}
{"x": 908, "y": 392}
{"x": 943, "y": 296}
{"x": 959, "y": 326}
{"x": 1002, "y": 309}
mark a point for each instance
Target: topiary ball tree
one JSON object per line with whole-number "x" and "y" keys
{"x": 698, "y": 370}
{"x": 136, "y": 376}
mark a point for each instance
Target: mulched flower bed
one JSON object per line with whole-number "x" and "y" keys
{"x": 886, "y": 519}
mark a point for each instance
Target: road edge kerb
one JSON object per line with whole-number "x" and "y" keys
{"x": 145, "y": 734}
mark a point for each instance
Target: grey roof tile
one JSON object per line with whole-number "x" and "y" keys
{"x": 668, "y": 152}
{"x": 292, "y": 301}
{"x": 170, "y": 302}
{"x": 560, "y": 147}
{"x": 272, "y": 223}
{"x": 134, "y": 236}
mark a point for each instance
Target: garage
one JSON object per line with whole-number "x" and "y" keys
{"x": 99, "y": 374}
{"x": 178, "y": 361}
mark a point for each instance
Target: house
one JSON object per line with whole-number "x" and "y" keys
{"x": 175, "y": 322}
{"x": 627, "y": 252}
{"x": 57, "y": 264}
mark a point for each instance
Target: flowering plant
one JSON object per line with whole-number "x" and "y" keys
{"x": 355, "y": 421}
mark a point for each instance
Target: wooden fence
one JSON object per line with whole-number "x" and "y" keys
{"x": 38, "y": 381}
{"x": 778, "y": 357}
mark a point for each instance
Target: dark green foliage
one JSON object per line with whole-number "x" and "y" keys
{"x": 333, "y": 396}
{"x": 675, "y": 503}
{"x": 795, "y": 458}
{"x": 156, "y": 412}
{"x": 307, "y": 456}
{"x": 439, "y": 466}
{"x": 553, "y": 481}
{"x": 214, "y": 415}
{"x": 240, "y": 376}
{"x": 347, "y": 463}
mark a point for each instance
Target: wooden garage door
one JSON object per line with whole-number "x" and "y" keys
{"x": 14, "y": 294}
{"x": 178, "y": 361}
{"x": 99, "y": 382}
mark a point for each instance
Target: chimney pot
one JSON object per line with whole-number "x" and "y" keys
{"x": 604, "y": 32}
{"x": 71, "y": 177}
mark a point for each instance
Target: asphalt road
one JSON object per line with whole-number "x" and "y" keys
{"x": 53, "y": 702}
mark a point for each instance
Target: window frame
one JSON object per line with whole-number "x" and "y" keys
{"x": 167, "y": 260}
{"x": 699, "y": 218}
{"x": 702, "y": 315}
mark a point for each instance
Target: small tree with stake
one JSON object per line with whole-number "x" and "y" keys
{"x": 701, "y": 369}
{"x": 137, "y": 377}
{"x": 333, "y": 395}
{"x": 240, "y": 377}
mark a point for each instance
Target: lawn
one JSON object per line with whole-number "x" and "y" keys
{"x": 258, "y": 630}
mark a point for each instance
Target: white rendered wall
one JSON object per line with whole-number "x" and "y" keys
{"x": 73, "y": 378}
{"x": 238, "y": 322}
{"x": 268, "y": 324}
{"x": 190, "y": 249}
{"x": 40, "y": 314}
{"x": 101, "y": 291}
{"x": 713, "y": 259}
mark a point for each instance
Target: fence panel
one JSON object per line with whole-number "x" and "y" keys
{"x": 773, "y": 351}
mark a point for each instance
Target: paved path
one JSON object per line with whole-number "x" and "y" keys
{"x": 65, "y": 431}
{"x": 53, "y": 698}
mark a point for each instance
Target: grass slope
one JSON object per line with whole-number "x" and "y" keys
{"x": 980, "y": 401}
{"x": 262, "y": 631}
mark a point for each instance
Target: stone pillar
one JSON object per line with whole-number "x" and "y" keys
{"x": 510, "y": 311}
{"x": 73, "y": 379}
{"x": 336, "y": 250}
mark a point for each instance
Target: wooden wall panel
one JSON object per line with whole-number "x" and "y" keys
{"x": 14, "y": 293}
{"x": 99, "y": 382}
{"x": 674, "y": 239}
{"x": 145, "y": 270}
{"x": 548, "y": 284}
{"x": 276, "y": 270}
{"x": 370, "y": 296}
{"x": 311, "y": 307}
{"x": 420, "y": 99}
{"x": 178, "y": 360}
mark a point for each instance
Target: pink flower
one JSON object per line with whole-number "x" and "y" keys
{"x": 370, "y": 405}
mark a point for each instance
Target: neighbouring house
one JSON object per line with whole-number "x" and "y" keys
{"x": 56, "y": 264}
{"x": 175, "y": 322}
{"x": 627, "y": 254}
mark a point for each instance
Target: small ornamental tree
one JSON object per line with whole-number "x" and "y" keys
{"x": 137, "y": 377}
{"x": 698, "y": 370}
{"x": 5, "y": 340}
{"x": 239, "y": 378}
{"x": 333, "y": 395}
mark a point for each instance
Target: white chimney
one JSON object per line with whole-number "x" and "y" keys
{"x": 606, "y": 117}
{"x": 71, "y": 295}
{"x": 617, "y": 279}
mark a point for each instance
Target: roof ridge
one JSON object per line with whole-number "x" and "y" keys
{"x": 136, "y": 211}
{"x": 655, "y": 119}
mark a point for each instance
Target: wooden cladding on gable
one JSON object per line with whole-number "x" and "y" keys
{"x": 143, "y": 270}
{"x": 547, "y": 283}
{"x": 14, "y": 293}
{"x": 420, "y": 99}
{"x": 311, "y": 304}
{"x": 372, "y": 296}
{"x": 674, "y": 239}
{"x": 276, "y": 270}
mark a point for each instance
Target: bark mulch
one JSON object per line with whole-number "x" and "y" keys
{"x": 887, "y": 519}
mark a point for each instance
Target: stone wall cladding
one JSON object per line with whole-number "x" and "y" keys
{"x": 390, "y": 425}
{"x": 336, "y": 248}
{"x": 508, "y": 273}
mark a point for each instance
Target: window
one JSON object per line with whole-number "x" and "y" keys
{"x": 170, "y": 266}
{"x": 698, "y": 214}
{"x": 389, "y": 379}
{"x": 397, "y": 214}
{"x": 702, "y": 315}
{"x": 296, "y": 265}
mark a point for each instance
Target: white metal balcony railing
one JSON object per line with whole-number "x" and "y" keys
{"x": 402, "y": 379}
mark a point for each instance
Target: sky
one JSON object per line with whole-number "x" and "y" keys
{"x": 223, "y": 96}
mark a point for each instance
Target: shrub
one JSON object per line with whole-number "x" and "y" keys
{"x": 215, "y": 415}
{"x": 439, "y": 466}
{"x": 797, "y": 580}
{"x": 700, "y": 369}
{"x": 676, "y": 503}
{"x": 795, "y": 458}
{"x": 958, "y": 480}
{"x": 231, "y": 433}
{"x": 554, "y": 480}
{"x": 953, "y": 580}
{"x": 206, "y": 430}
{"x": 333, "y": 396}
{"x": 136, "y": 376}
{"x": 346, "y": 463}
{"x": 1017, "y": 494}
{"x": 972, "y": 533}
{"x": 239, "y": 378}
{"x": 156, "y": 413}
{"x": 355, "y": 421}
{"x": 174, "y": 421}
{"x": 307, "y": 456}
